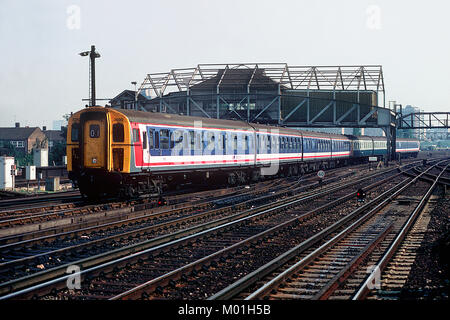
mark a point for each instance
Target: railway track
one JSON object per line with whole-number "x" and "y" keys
{"x": 46, "y": 248}
{"x": 31, "y": 218}
{"x": 22, "y": 203}
{"x": 394, "y": 266}
{"x": 99, "y": 243}
{"x": 204, "y": 230}
{"x": 328, "y": 271}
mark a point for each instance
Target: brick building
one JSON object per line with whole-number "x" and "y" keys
{"x": 22, "y": 138}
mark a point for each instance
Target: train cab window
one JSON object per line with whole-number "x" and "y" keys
{"x": 74, "y": 133}
{"x": 94, "y": 131}
{"x": 144, "y": 140}
{"x": 136, "y": 135}
{"x": 164, "y": 138}
{"x": 118, "y": 132}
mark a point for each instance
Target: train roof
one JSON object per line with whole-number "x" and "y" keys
{"x": 407, "y": 139}
{"x": 174, "y": 119}
{"x": 376, "y": 138}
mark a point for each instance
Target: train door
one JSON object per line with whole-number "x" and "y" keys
{"x": 95, "y": 140}
{"x": 147, "y": 145}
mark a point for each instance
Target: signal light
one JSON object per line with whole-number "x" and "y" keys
{"x": 161, "y": 202}
{"x": 361, "y": 195}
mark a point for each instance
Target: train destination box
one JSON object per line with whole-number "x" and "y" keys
{"x": 6, "y": 178}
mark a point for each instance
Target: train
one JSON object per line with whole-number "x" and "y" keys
{"x": 129, "y": 153}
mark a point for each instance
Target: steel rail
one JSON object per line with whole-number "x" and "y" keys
{"x": 303, "y": 262}
{"x": 66, "y": 195}
{"x": 383, "y": 262}
{"x": 142, "y": 216}
{"x": 166, "y": 278}
{"x": 104, "y": 260}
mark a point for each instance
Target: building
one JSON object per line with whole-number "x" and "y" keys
{"x": 22, "y": 138}
{"x": 269, "y": 93}
{"x": 126, "y": 100}
{"x": 54, "y": 137}
{"x": 438, "y": 134}
{"x": 411, "y": 133}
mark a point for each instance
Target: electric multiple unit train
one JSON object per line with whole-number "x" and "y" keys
{"x": 127, "y": 153}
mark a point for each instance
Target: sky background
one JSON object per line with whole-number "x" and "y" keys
{"x": 42, "y": 77}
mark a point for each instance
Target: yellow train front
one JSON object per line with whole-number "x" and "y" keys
{"x": 99, "y": 151}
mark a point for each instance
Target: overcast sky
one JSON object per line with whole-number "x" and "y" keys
{"x": 42, "y": 76}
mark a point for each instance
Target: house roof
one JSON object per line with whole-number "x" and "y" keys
{"x": 54, "y": 135}
{"x": 17, "y": 133}
{"x": 127, "y": 95}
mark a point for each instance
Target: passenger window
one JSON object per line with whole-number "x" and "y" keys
{"x": 187, "y": 141}
{"x": 118, "y": 132}
{"x": 150, "y": 138}
{"x": 209, "y": 141}
{"x": 235, "y": 140}
{"x": 94, "y": 131}
{"x": 224, "y": 143}
{"x": 247, "y": 147}
{"x": 156, "y": 139}
{"x": 74, "y": 132}
{"x": 191, "y": 138}
{"x": 164, "y": 138}
{"x": 198, "y": 141}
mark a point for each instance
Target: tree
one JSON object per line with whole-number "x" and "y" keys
{"x": 21, "y": 158}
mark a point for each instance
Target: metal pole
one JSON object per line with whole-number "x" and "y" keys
{"x": 92, "y": 56}
{"x": 135, "y": 94}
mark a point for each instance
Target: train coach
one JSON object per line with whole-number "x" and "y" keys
{"x": 126, "y": 152}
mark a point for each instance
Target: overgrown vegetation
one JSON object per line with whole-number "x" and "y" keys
{"x": 21, "y": 158}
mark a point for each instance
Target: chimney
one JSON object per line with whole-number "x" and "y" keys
{"x": 44, "y": 128}
{"x": 17, "y": 124}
